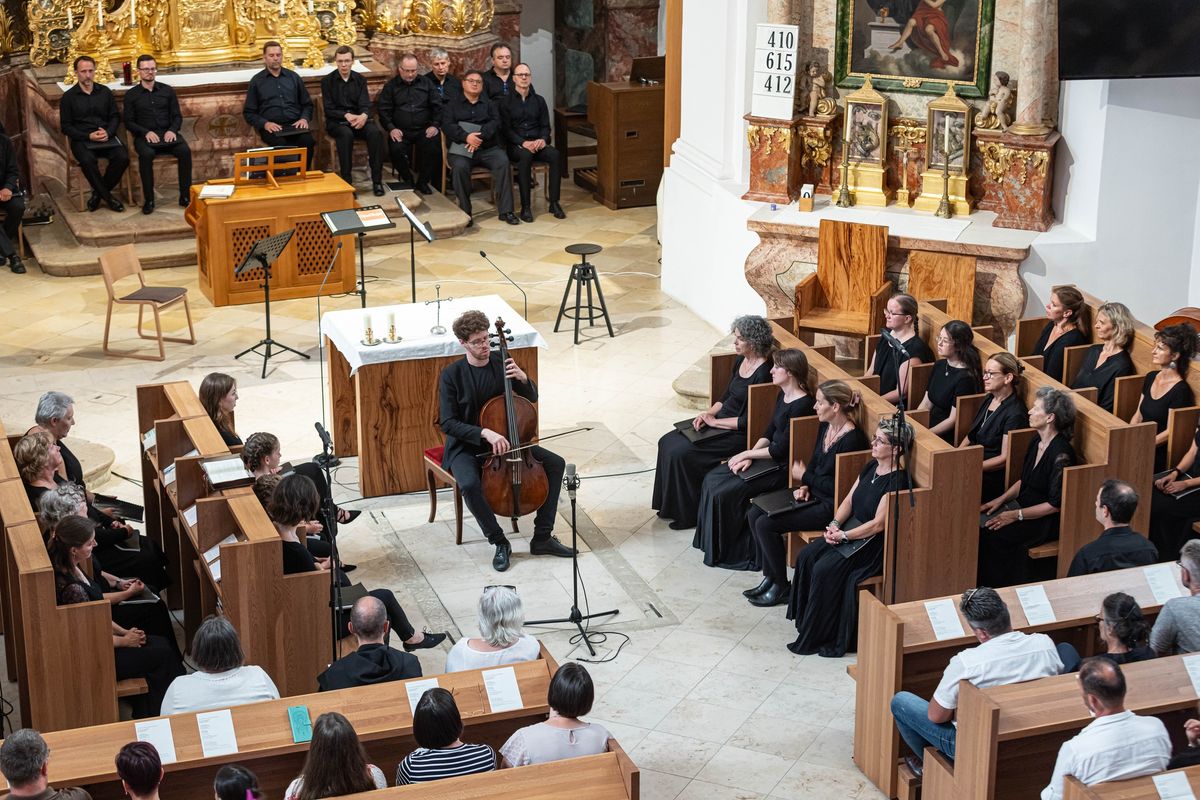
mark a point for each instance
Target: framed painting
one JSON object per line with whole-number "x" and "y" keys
{"x": 866, "y": 126}
{"x": 917, "y": 46}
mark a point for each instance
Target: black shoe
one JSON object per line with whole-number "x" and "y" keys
{"x": 184, "y": 202}
{"x": 510, "y": 218}
{"x": 757, "y": 590}
{"x": 680, "y": 526}
{"x": 526, "y": 215}
{"x": 915, "y": 766}
{"x": 470, "y": 222}
{"x": 503, "y": 554}
{"x": 15, "y": 265}
{"x": 93, "y": 202}
{"x": 148, "y": 207}
{"x": 557, "y": 211}
{"x": 404, "y": 185}
{"x": 350, "y": 516}
{"x": 425, "y": 188}
{"x": 378, "y": 189}
{"x": 349, "y": 567}
{"x": 550, "y": 546}
{"x": 114, "y": 204}
{"x": 777, "y": 595}
{"x": 430, "y": 640}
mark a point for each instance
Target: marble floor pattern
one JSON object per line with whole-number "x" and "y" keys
{"x": 703, "y": 695}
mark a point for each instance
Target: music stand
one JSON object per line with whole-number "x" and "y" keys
{"x": 426, "y": 234}
{"x": 358, "y": 221}
{"x": 263, "y": 254}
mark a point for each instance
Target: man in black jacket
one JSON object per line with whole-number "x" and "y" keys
{"x": 473, "y": 123}
{"x": 410, "y": 108}
{"x": 527, "y": 127}
{"x": 1118, "y": 546}
{"x": 152, "y": 115}
{"x": 347, "y": 104}
{"x": 445, "y": 84}
{"x": 12, "y": 203}
{"x": 498, "y": 81}
{"x": 278, "y": 105}
{"x": 373, "y": 662}
{"x": 88, "y": 116}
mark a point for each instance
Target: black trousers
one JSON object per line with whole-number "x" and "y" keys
{"x": 343, "y": 141}
{"x": 146, "y": 154}
{"x": 769, "y": 535}
{"x": 466, "y": 471}
{"x": 524, "y": 161}
{"x": 304, "y": 140}
{"x": 397, "y": 619}
{"x": 89, "y": 163}
{"x": 494, "y": 159}
{"x": 14, "y": 209}
{"x": 429, "y": 156}
{"x": 157, "y": 663}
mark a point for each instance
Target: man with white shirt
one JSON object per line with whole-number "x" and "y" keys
{"x": 1003, "y": 656}
{"x": 1177, "y": 628}
{"x": 1118, "y": 744}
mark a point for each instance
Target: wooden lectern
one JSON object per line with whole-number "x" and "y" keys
{"x": 273, "y": 192}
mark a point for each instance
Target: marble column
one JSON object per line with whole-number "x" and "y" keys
{"x": 1038, "y": 78}
{"x": 779, "y": 12}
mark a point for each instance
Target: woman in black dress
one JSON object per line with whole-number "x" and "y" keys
{"x": 824, "y": 601}
{"x": 1103, "y": 363}
{"x": 722, "y": 530}
{"x": 1035, "y": 498}
{"x": 900, "y": 318}
{"x": 1124, "y": 630}
{"x": 957, "y": 372}
{"x": 840, "y": 412}
{"x": 261, "y": 456}
{"x": 218, "y": 394}
{"x": 1166, "y": 387}
{"x": 682, "y": 464}
{"x": 1002, "y": 411}
{"x": 1172, "y": 516}
{"x": 1067, "y": 326}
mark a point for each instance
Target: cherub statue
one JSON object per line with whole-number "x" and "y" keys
{"x": 995, "y": 111}
{"x": 818, "y": 103}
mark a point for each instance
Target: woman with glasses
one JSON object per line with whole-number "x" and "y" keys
{"x": 1103, "y": 363}
{"x": 1166, "y": 387}
{"x": 500, "y": 640}
{"x": 956, "y": 373}
{"x": 1002, "y": 411}
{"x": 900, "y": 319}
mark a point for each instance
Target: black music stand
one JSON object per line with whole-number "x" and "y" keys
{"x": 426, "y": 234}
{"x": 263, "y": 254}
{"x": 358, "y": 221}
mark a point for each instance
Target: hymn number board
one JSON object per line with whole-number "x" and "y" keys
{"x": 774, "y": 71}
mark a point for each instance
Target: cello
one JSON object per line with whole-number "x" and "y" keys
{"x": 515, "y": 482}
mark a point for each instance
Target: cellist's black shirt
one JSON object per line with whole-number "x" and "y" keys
{"x": 462, "y": 392}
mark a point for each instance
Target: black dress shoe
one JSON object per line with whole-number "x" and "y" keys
{"x": 184, "y": 202}
{"x": 349, "y": 567}
{"x": 425, "y": 188}
{"x": 915, "y": 766}
{"x": 148, "y": 207}
{"x": 93, "y": 202}
{"x": 757, "y": 590}
{"x": 557, "y": 211}
{"x": 775, "y": 596}
{"x": 470, "y": 222}
{"x": 503, "y": 554}
{"x": 114, "y": 204}
{"x": 404, "y": 185}
{"x": 511, "y": 218}
{"x": 430, "y": 640}
{"x": 378, "y": 189}
{"x": 550, "y": 546}
{"x": 526, "y": 215}
{"x": 16, "y": 266}
{"x": 350, "y": 516}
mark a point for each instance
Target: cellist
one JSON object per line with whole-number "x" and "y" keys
{"x": 463, "y": 389}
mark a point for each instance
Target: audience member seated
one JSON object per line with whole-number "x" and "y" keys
{"x": 294, "y": 501}
{"x": 38, "y": 460}
{"x": 25, "y": 763}
{"x": 682, "y": 464}
{"x": 824, "y": 600}
{"x": 373, "y": 662}
{"x": 88, "y": 118}
{"x": 722, "y": 529}
{"x": 441, "y": 753}
{"x": 900, "y": 320}
{"x": 1067, "y": 325}
{"x": 1177, "y": 627}
{"x": 1123, "y": 630}
{"x": 347, "y": 106}
{"x": 1028, "y": 513}
{"x": 957, "y": 372}
{"x": 278, "y": 105}
{"x": 1119, "y": 546}
{"x": 1118, "y": 744}
{"x": 138, "y": 654}
{"x": 445, "y": 84}
{"x": 140, "y": 770}
{"x": 483, "y": 142}
{"x": 336, "y": 764}
{"x": 1166, "y": 387}
{"x": 410, "y": 109}
{"x": 500, "y": 616}
{"x": 261, "y": 456}
{"x": 1003, "y": 656}
{"x": 1001, "y": 412}
{"x": 1103, "y": 363}
{"x": 235, "y": 782}
{"x": 64, "y": 500}
{"x": 527, "y": 128}
{"x": 218, "y": 394}
{"x": 563, "y": 735}
{"x": 1174, "y": 504}
{"x": 222, "y": 677}
{"x": 12, "y": 203}
{"x": 1189, "y": 756}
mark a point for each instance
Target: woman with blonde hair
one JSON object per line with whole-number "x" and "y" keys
{"x": 1103, "y": 363}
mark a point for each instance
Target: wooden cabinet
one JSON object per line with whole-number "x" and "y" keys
{"x": 628, "y": 118}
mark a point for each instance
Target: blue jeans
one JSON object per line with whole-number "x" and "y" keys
{"x": 912, "y": 719}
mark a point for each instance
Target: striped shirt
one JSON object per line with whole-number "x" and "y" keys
{"x": 423, "y": 764}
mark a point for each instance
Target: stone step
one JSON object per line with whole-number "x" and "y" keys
{"x": 694, "y": 384}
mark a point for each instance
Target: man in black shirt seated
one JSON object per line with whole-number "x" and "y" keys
{"x": 1118, "y": 547}
{"x": 527, "y": 126}
{"x": 482, "y": 144}
{"x": 152, "y": 115}
{"x": 12, "y": 203}
{"x": 498, "y": 81}
{"x": 88, "y": 116}
{"x": 409, "y": 110}
{"x": 347, "y": 105}
{"x": 445, "y": 84}
{"x": 373, "y": 662}
{"x": 278, "y": 105}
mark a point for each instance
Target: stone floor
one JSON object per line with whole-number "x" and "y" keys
{"x": 704, "y": 694}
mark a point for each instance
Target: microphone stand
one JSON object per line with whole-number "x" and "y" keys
{"x": 901, "y": 356}
{"x": 484, "y": 256}
{"x": 326, "y": 458}
{"x": 335, "y": 563}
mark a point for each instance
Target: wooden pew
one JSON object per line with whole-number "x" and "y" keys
{"x": 1132, "y": 789}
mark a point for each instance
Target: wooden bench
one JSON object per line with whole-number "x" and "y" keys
{"x": 1132, "y": 789}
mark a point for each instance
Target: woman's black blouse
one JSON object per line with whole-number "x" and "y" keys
{"x": 733, "y": 402}
{"x": 1041, "y": 480}
{"x": 1052, "y": 354}
{"x": 946, "y": 385}
{"x": 990, "y": 427}
{"x": 885, "y": 360}
{"x": 1103, "y": 377}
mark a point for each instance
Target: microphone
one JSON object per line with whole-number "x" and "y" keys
{"x": 895, "y": 343}
{"x": 326, "y": 442}
{"x": 572, "y": 481}
{"x": 484, "y": 256}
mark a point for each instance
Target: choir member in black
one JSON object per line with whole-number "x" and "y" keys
{"x": 498, "y": 81}
{"x": 1067, "y": 326}
{"x": 956, "y": 373}
{"x": 484, "y": 144}
{"x": 347, "y": 105}
{"x": 839, "y": 410}
{"x": 1124, "y": 630}
{"x": 218, "y": 395}
{"x": 1002, "y": 411}
{"x": 445, "y": 84}
{"x": 900, "y": 319}
{"x": 278, "y": 105}
{"x": 88, "y": 116}
{"x": 1103, "y": 363}
{"x": 527, "y": 126}
{"x": 682, "y": 464}
{"x": 152, "y": 115}
{"x": 824, "y": 601}
{"x": 1007, "y": 535}
{"x": 1166, "y": 387}
{"x": 138, "y": 653}
{"x": 722, "y": 530}
{"x": 12, "y": 203}
{"x": 410, "y": 110}
{"x": 463, "y": 389}
{"x": 1172, "y": 513}
{"x": 293, "y": 501}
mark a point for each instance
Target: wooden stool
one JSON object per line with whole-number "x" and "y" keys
{"x": 583, "y": 274}
{"x": 435, "y": 472}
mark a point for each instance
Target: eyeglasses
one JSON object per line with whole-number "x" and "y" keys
{"x": 472, "y": 80}
{"x": 148, "y": 69}
{"x": 943, "y": 340}
{"x": 477, "y": 342}
{"x": 522, "y": 74}
{"x": 987, "y": 373}
{"x": 500, "y": 586}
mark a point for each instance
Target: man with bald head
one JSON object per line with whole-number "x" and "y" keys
{"x": 373, "y": 662}
{"x": 410, "y": 109}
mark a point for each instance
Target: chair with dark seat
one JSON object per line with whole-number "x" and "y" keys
{"x": 122, "y": 262}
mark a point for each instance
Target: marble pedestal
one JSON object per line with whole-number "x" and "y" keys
{"x": 815, "y": 135}
{"x": 774, "y": 159}
{"x": 1014, "y": 176}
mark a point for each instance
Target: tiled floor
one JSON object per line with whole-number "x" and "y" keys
{"x": 704, "y": 695}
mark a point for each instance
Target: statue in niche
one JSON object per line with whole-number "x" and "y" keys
{"x": 818, "y": 103}
{"x": 994, "y": 115}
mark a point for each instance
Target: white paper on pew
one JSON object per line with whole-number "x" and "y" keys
{"x": 502, "y": 690}
{"x": 1163, "y": 581}
{"x": 417, "y": 688}
{"x": 214, "y": 553}
{"x": 216, "y": 733}
{"x": 1173, "y": 786}
{"x": 149, "y": 439}
{"x": 1036, "y": 605}
{"x": 943, "y": 616}
{"x": 189, "y": 515}
{"x": 215, "y": 569}
{"x": 1192, "y": 665}
{"x": 169, "y": 475}
{"x": 158, "y": 733}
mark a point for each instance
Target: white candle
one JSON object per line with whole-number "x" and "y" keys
{"x": 367, "y": 327}
{"x": 70, "y": 19}
{"x": 310, "y": 6}
{"x": 846, "y": 138}
{"x": 281, "y": 9}
{"x": 341, "y": 6}
{"x": 391, "y": 319}
{"x": 133, "y": 12}
{"x": 946, "y": 145}
{"x": 100, "y": 13}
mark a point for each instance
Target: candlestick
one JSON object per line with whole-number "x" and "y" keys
{"x": 70, "y": 19}
{"x": 133, "y": 12}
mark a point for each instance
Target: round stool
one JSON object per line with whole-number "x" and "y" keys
{"x": 583, "y": 274}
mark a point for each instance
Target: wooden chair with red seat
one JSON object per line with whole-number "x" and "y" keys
{"x": 434, "y": 471}
{"x": 848, "y": 292}
{"x": 122, "y": 262}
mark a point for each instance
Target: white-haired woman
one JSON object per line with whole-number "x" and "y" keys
{"x": 500, "y": 640}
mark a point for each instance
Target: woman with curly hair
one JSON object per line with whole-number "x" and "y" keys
{"x": 1166, "y": 387}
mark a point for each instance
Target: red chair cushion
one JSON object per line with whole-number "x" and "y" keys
{"x": 434, "y": 454}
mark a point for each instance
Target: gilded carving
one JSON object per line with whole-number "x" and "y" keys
{"x": 817, "y": 146}
{"x": 907, "y": 132}
{"x": 448, "y": 17}
{"x": 202, "y": 23}
{"x": 768, "y": 138}
{"x": 8, "y": 36}
{"x": 912, "y": 83}
{"x": 997, "y": 159}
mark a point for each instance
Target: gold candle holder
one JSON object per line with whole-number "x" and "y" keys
{"x": 392, "y": 338}
{"x": 944, "y": 209}
{"x": 369, "y": 338}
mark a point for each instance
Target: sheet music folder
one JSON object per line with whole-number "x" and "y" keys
{"x": 356, "y": 220}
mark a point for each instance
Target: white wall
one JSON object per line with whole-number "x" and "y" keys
{"x": 537, "y": 45}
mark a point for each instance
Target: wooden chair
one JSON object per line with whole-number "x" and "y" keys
{"x": 78, "y": 186}
{"x": 941, "y": 275}
{"x": 122, "y": 262}
{"x": 847, "y": 293}
{"x": 434, "y": 472}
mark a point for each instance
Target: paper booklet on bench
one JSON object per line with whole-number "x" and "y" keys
{"x": 684, "y": 426}
{"x": 227, "y": 472}
{"x": 217, "y": 191}
{"x": 779, "y": 501}
{"x": 1182, "y": 476}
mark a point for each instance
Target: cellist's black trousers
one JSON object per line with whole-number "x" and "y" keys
{"x": 466, "y": 470}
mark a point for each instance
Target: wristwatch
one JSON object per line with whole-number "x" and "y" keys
{"x": 845, "y": 538}
{"x": 1020, "y": 515}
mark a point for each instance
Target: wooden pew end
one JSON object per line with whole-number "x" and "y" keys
{"x": 131, "y": 687}
{"x": 909, "y": 786}
{"x": 1047, "y": 550}
{"x": 873, "y": 585}
{"x": 852, "y": 671}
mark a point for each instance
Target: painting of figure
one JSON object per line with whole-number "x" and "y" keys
{"x": 957, "y": 137}
{"x": 866, "y": 134}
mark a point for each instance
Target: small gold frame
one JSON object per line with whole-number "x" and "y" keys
{"x": 952, "y": 110}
